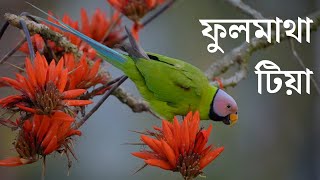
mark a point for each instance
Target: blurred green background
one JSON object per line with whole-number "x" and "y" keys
{"x": 277, "y": 136}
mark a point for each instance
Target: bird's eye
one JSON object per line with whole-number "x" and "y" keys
{"x": 228, "y": 106}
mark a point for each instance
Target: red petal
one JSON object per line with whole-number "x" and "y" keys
{"x": 116, "y": 3}
{"x": 14, "y": 161}
{"x": 169, "y": 153}
{"x": 10, "y": 99}
{"x": 59, "y": 67}
{"x": 151, "y": 3}
{"x": 194, "y": 128}
{"x": 63, "y": 80}
{"x": 94, "y": 70}
{"x": 26, "y": 87}
{"x": 135, "y": 30}
{"x": 158, "y": 144}
{"x": 85, "y": 29}
{"x": 159, "y": 163}
{"x": 36, "y": 123}
{"x": 27, "y": 126}
{"x": 13, "y": 83}
{"x": 27, "y": 109}
{"x": 185, "y": 133}
{"x": 73, "y": 93}
{"x": 73, "y": 132}
{"x": 39, "y": 42}
{"x": 166, "y": 130}
{"x": 144, "y": 155}
{"x": 206, "y": 150}
{"x": 50, "y": 134}
{"x": 77, "y": 102}
{"x": 176, "y": 127}
{"x": 43, "y": 129}
{"x": 41, "y": 71}
{"x": 204, "y": 161}
{"x": 61, "y": 116}
{"x": 168, "y": 135}
{"x": 149, "y": 141}
{"x": 30, "y": 72}
{"x": 52, "y": 146}
{"x": 52, "y": 72}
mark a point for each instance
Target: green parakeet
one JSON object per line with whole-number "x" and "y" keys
{"x": 171, "y": 86}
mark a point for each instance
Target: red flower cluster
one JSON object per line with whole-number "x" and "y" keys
{"x": 49, "y": 98}
{"x": 41, "y": 135}
{"x": 82, "y": 75}
{"x": 179, "y": 147}
{"x": 43, "y": 89}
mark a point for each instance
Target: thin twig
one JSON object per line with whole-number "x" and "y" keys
{"x": 15, "y": 66}
{"x": 99, "y": 89}
{"x": 101, "y": 101}
{"x": 159, "y": 12}
{"x": 300, "y": 61}
{"x": 10, "y": 53}
{"x": 142, "y": 167}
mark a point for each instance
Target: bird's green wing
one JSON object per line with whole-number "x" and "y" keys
{"x": 172, "y": 81}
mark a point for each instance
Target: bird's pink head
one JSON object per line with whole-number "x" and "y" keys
{"x": 224, "y": 108}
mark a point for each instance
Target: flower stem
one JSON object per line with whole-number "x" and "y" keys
{"x": 43, "y": 173}
{"x": 97, "y": 90}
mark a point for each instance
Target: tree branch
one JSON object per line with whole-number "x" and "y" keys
{"x": 137, "y": 105}
{"x": 44, "y": 31}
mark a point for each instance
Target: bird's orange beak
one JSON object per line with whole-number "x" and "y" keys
{"x": 233, "y": 118}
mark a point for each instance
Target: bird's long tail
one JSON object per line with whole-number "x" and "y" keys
{"x": 110, "y": 55}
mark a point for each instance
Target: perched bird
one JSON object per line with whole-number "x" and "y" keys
{"x": 170, "y": 86}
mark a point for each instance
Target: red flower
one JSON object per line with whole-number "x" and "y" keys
{"x": 38, "y": 44}
{"x": 179, "y": 147}
{"x": 82, "y": 75}
{"x": 101, "y": 28}
{"x": 135, "y": 10}
{"x": 43, "y": 88}
{"x": 40, "y": 136}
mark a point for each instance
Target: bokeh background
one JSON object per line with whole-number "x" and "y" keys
{"x": 277, "y": 136}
